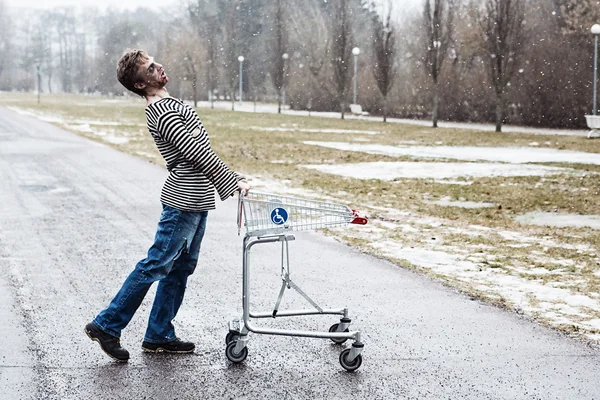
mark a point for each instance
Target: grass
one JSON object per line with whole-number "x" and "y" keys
{"x": 276, "y": 155}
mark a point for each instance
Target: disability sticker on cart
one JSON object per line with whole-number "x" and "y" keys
{"x": 279, "y": 216}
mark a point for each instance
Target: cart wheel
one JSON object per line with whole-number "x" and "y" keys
{"x": 233, "y": 356}
{"x": 232, "y": 336}
{"x": 347, "y": 365}
{"x": 334, "y": 329}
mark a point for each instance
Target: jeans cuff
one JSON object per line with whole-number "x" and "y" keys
{"x": 105, "y": 330}
{"x": 159, "y": 341}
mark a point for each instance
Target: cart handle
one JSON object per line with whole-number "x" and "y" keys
{"x": 358, "y": 219}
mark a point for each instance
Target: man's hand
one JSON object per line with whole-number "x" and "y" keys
{"x": 243, "y": 187}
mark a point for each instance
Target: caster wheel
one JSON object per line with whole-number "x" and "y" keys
{"x": 334, "y": 329}
{"x": 233, "y": 356}
{"x": 232, "y": 336}
{"x": 347, "y": 365}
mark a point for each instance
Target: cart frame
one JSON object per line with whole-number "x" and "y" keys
{"x": 303, "y": 215}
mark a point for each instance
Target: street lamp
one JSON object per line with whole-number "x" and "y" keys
{"x": 285, "y": 57}
{"x": 241, "y": 60}
{"x": 595, "y": 32}
{"x": 593, "y": 121}
{"x": 356, "y": 52}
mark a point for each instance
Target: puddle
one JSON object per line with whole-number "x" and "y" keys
{"x": 391, "y": 170}
{"x": 559, "y": 219}
{"x": 517, "y": 155}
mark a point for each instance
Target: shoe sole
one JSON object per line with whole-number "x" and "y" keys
{"x": 163, "y": 350}
{"x": 88, "y": 333}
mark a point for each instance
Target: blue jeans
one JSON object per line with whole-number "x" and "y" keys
{"x": 171, "y": 259}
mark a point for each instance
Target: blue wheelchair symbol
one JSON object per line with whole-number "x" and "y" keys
{"x": 279, "y": 216}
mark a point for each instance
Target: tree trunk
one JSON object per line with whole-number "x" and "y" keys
{"x": 195, "y": 87}
{"x": 385, "y": 105}
{"x": 436, "y": 100}
{"x": 233, "y": 100}
{"x": 342, "y": 106}
{"x": 279, "y": 101}
{"x": 499, "y": 111}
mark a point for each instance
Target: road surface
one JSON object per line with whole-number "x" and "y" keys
{"x": 75, "y": 217}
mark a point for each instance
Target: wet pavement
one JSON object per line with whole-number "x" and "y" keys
{"x": 75, "y": 217}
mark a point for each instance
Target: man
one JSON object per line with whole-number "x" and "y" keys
{"x": 195, "y": 172}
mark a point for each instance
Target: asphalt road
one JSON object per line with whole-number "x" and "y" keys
{"x": 75, "y": 217}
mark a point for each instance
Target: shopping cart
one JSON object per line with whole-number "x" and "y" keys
{"x": 269, "y": 218}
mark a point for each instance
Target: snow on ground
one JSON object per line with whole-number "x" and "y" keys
{"x": 554, "y": 299}
{"x": 296, "y": 129}
{"x": 39, "y": 115}
{"x": 56, "y": 119}
{"x": 82, "y": 125}
{"x": 560, "y": 219}
{"x": 517, "y": 155}
{"x": 551, "y": 297}
{"x": 272, "y": 109}
{"x": 448, "y": 202}
{"x": 392, "y": 170}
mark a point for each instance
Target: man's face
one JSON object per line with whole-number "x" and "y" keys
{"x": 152, "y": 75}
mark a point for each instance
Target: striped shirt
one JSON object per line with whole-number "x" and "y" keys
{"x": 195, "y": 171}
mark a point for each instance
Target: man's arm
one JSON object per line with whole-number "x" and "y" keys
{"x": 171, "y": 128}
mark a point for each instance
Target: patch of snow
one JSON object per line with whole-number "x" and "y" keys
{"x": 342, "y": 131}
{"x": 560, "y": 219}
{"x": 38, "y": 115}
{"x": 517, "y": 155}
{"x": 145, "y": 154}
{"x": 105, "y": 123}
{"x": 452, "y": 182}
{"x": 418, "y": 170}
{"x": 447, "y": 202}
{"x": 115, "y": 139}
{"x": 80, "y": 128}
{"x": 594, "y": 323}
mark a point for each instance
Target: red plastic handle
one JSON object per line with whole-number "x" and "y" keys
{"x": 358, "y": 219}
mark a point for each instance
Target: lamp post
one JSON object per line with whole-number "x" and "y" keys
{"x": 285, "y": 57}
{"x": 595, "y": 32}
{"x": 356, "y": 52}
{"x": 593, "y": 121}
{"x": 241, "y": 60}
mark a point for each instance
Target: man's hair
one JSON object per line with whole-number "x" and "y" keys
{"x": 128, "y": 69}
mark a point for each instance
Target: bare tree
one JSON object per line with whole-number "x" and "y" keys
{"x": 438, "y": 24}
{"x": 341, "y": 50}
{"x": 502, "y": 27}
{"x": 46, "y": 36}
{"x": 314, "y": 40}
{"x": 5, "y": 37}
{"x": 192, "y": 71}
{"x": 204, "y": 16}
{"x": 230, "y": 48}
{"x": 384, "y": 47}
{"x": 579, "y": 15}
{"x": 280, "y": 44}
{"x": 65, "y": 26}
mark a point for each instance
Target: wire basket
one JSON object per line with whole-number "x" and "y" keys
{"x": 265, "y": 213}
